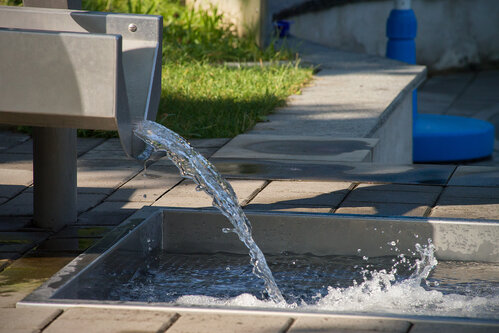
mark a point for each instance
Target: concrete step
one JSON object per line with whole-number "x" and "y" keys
{"x": 359, "y": 105}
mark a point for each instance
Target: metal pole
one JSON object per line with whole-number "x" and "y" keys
{"x": 54, "y": 161}
{"x": 54, "y": 177}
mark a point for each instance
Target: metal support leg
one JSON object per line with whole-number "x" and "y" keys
{"x": 54, "y": 177}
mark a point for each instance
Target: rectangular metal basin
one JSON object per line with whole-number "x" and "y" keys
{"x": 84, "y": 280}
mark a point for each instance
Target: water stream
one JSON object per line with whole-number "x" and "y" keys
{"x": 194, "y": 166}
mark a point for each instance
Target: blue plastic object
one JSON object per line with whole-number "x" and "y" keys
{"x": 436, "y": 138}
{"x": 282, "y": 28}
{"x": 401, "y": 29}
{"x": 442, "y": 138}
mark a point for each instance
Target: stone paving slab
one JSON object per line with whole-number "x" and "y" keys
{"x": 382, "y": 209}
{"x": 367, "y": 194}
{"x": 345, "y": 324}
{"x": 22, "y": 205}
{"x": 110, "y": 321}
{"x": 9, "y": 191}
{"x": 9, "y": 223}
{"x": 109, "y": 213}
{"x": 104, "y": 180}
{"x": 16, "y": 162}
{"x": 26, "y": 274}
{"x": 399, "y": 188}
{"x": 14, "y": 177}
{"x": 10, "y": 138}
{"x": 19, "y": 241}
{"x": 283, "y": 194}
{"x": 470, "y": 192}
{"x": 227, "y": 323}
{"x": 186, "y": 195}
{"x": 467, "y": 175}
{"x": 148, "y": 186}
{"x": 288, "y": 208}
{"x": 310, "y": 148}
{"x": 26, "y": 320}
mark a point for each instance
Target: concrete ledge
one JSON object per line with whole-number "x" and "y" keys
{"x": 354, "y": 96}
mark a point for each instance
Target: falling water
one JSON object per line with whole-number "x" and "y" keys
{"x": 194, "y": 166}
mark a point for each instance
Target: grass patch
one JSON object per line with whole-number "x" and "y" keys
{"x": 202, "y": 100}
{"x": 201, "y": 97}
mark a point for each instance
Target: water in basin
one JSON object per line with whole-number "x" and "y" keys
{"x": 348, "y": 284}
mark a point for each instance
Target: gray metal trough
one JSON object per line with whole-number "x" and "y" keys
{"x": 64, "y": 69}
{"x": 84, "y": 281}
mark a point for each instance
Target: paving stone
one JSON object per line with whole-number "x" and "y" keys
{"x": 68, "y": 245}
{"x": 148, "y": 186}
{"x": 88, "y": 200}
{"x": 96, "y": 154}
{"x": 422, "y": 327}
{"x": 400, "y": 187}
{"x": 16, "y": 162}
{"x": 20, "y": 241}
{"x": 199, "y": 323}
{"x": 10, "y": 138}
{"x": 411, "y": 197}
{"x": 23, "y": 148}
{"x": 470, "y": 192}
{"x": 110, "y": 320}
{"x": 466, "y": 175}
{"x": 83, "y": 145}
{"x": 22, "y": 205}
{"x": 301, "y": 194}
{"x": 9, "y": 191}
{"x": 103, "y": 181}
{"x": 4, "y": 262}
{"x": 287, "y": 208}
{"x": 26, "y": 319}
{"x": 185, "y": 194}
{"x": 14, "y": 176}
{"x": 82, "y": 231}
{"x": 14, "y": 223}
{"x": 382, "y": 209}
{"x": 467, "y": 211}
{"x": 348, "y": 324}
{"x": 9, "y": 255}
{"x": 26, "y": 274}
{"x": 109, "y": 213}
{"x": 433, "y": 102}
{"x": 110, "y": 144}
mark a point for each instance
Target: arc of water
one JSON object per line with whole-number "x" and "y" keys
{"x": 193, "y": 165}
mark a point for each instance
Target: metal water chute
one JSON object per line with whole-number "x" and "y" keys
{"x": 67, "y": 69}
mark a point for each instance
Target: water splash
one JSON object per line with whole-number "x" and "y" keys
{"x": 194, "y": 166}
{"x": 382, "y": 291}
